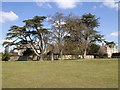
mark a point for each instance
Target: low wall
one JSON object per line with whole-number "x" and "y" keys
{"x": 77, "y": 57}
{"x": 89, "y": 56}
{"x": 17, "y": 57}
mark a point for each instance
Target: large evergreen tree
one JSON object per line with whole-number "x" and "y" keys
{"x": 32, "y": 34}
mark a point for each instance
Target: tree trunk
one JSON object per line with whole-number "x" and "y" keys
{"x": 61, "y": 55}
{"x": 41, "y": 57}
{"x": 84, "y": 54}
{"x": 52, "y": 56}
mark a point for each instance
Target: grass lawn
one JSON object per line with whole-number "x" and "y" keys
{"x": 60, "y": 74}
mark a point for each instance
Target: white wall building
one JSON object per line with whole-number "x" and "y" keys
{"x": 111, "y": 50}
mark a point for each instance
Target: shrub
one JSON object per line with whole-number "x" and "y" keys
{"x": 103, "y": 56}
{"x": 5, "y": 55}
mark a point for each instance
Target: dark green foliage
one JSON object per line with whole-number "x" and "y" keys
{"x": 5, "y": 55}
{"x": 72, "y": 46}
{"x": 31, "y": 35}
{"x": 90, "y": 20}
{"x": 110, "y": 44}
{"x": 100, "y": 55}
{"x": 82, "y": 34}
{"x": 93, "y": 49}
{"x": 28, "y": 52}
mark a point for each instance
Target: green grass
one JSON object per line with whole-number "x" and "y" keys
{"x": 61, "y": 74}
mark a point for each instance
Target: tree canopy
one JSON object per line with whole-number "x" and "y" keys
{"x": 68, "y": 34}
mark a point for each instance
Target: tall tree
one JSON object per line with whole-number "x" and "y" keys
{"x": 74, "y": 42}
{"x": 57, "y": 31}
{"x": 90, "y": 35}
{"x": 82, "y": 32}
{"x": 35, "y": 34}
{"x": 31, "y": 35}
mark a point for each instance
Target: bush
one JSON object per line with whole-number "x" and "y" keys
{"x": 5, "y": 55}
{"x": 101, "y": 55}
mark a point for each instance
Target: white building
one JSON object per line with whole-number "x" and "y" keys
{"x": 111, "y": 50}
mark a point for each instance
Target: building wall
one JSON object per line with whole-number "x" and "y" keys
{"x": 112, "y": 50}
{"x": 89, "y": 56}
